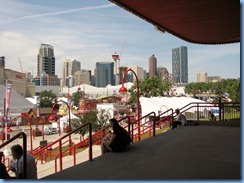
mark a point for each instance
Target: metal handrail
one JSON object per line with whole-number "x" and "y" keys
{"x": 154, "y": 119}
{"x": 166, "y": 117}
{"x": 85, "y": 140}
{"x": 221, "y": 106}
{"x": 24, "y": 149}
{"x": 90, "y": 144}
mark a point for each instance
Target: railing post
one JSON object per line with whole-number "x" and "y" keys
{"x": 154, "y": 125}
{"x": 223, "y": 112}
{"x": 61, "y": 155}
{"x": 74, "y": 156}
{"x": 220, "y": 108}
{"x": 172, "y": 118}
{"x": 198, "y": 112}
{"x": 90, "y": 143}
{"x": 25, "y": 153}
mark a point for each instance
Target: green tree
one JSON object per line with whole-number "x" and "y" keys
{"x": 133, "y": 93}
{"x": 47, "y": 98}
{"x": 232, "y": 88}
{"x": 150, "y": 87}
{"x": 102, "y": 119}
{"x": 221, "y": 88}
{"x": 90, "y": 117}
{"x": 75, "y": 98}
{"x": 193, "y": 88}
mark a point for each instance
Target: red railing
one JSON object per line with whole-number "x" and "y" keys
{"x": 162, "y": 119}
{"x": 203, "y": 108}
{"x": 24, "y": 148}
{"x": 60, "y": 144}
{"x": 43, "y": 152}
{"x": 138, "y": 135}
{"x": 148, "y": 126}
{"x": 99, "y": 134}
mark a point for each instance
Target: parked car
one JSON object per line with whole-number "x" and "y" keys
{"x": 50, "y": 130}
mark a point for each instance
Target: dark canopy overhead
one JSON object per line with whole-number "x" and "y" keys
{"x": 196, "y": 21}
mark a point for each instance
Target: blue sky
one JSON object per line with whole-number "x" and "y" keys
{"x": 92, "y": 30}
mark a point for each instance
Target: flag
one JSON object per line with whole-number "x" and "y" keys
{"x": 7, "y": 96}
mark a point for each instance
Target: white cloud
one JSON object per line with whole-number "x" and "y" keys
{"x": 14, "y": 45}
{"x": 91, "y": 34}
{"x": 65, "y": 11}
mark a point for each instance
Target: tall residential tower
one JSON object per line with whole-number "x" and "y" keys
{"x": 69, "y": 69}
{"x": 180, "y": 64}
{"x": 152, "y": 66}
{"x": 104, "y": 74}
{"x": 46, "y": 67}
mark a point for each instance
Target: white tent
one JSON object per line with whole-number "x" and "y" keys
{"x": 162, "y": 104}
{"x": 65, "y": 119}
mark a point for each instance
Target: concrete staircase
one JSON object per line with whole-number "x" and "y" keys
{"x": 203, "y": 152}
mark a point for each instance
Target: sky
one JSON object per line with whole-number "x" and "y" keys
{"x": 91, "y": 31}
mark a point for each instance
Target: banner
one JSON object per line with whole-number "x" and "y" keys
{"x": 8, "y": 95}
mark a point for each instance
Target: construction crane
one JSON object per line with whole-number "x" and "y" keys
{"x": 20, "y": 65}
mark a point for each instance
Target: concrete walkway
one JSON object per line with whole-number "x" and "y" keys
{"x": 48, "y": 168}
{"x": 185, "y": 153}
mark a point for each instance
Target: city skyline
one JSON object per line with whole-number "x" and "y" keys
{"x": 86, "y": 31}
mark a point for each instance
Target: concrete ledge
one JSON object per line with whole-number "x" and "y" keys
{"x": 191, "y": 152}
{"x": 221, "y": 123}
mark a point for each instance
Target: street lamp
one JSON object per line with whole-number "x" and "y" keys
{"x": 123, "y": 91}
{"x": 52, "y": 118}
{"x": 82, "y": 103}
{"x": 42, "y": 121}
{"x": 29, "y": 123}
{"x": 68, "y": 96}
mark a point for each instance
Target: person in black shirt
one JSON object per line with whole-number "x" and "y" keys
{"x": 211, "y": 116}
{"x": 3, "y": 171}
{"x": 119, "y": 141}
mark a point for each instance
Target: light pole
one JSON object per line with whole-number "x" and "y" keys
{"x": 123, "y": 91}
{"x": 68, "y": 96}
{"x": 31, "y": 144}
{"x": 52, "y": 119}
{"x": 42, "y": 121}
{"x": 82, "y": 103}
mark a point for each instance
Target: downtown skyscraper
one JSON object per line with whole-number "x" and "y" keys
{"x": 104, "y": 74}
{"x": 70, "y": 67}
{"x": 152, "y": 66}
{"x": 46, "y": 67}
{"x": 180, "y": 65}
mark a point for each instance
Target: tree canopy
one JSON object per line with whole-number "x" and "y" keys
{"x": 230, "y": 87}
{"x": 47, "y": 98}
{"x": 150, "y": 87}
{"x": 75, "y": 98}
{"x": 90, "y": 117}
